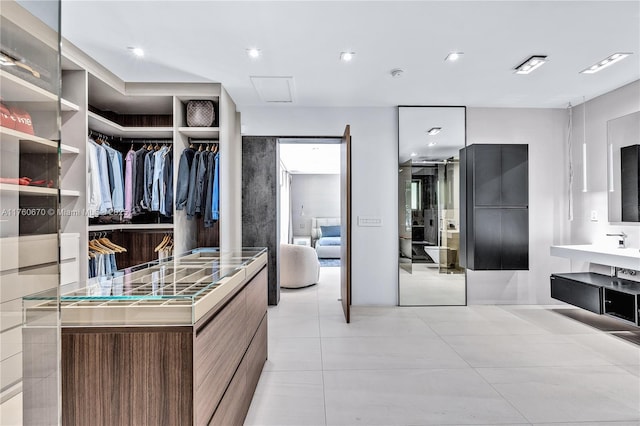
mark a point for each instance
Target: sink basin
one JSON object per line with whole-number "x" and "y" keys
{"x": 628, "y": 258}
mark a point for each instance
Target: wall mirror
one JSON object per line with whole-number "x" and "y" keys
{"x": 623, "y": 160}
{"x": 430, "y": 139}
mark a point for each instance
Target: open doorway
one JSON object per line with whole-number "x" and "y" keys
{"x": 309, "y": 204}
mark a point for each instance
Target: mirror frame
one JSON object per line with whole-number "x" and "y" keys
{"x": 614, "y": 178}
{"x": 402, "y": 219}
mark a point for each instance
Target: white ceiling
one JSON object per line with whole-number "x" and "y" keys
{"x": 206, "y": 41}
{"x": 301, "y": 157}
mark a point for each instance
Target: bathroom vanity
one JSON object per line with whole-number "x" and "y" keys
{"x": 180, "y": 341}
{"x": 598, "y": 293}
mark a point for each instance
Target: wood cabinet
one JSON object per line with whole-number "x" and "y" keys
{"x": 494, "y": 201}
{"x": 198, "y": 374}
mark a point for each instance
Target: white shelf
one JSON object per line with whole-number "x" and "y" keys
{"x": 69, "y": 193}
{"x": 29, "y": 144}
{"x": 15, "y": 89}
{"x": 67, "y": 149}
{"x": 200, "y": 132}
{"x": 130, "y": 226}
{"x": 66, "y": 105}
{"x": 25, "y": 189}
{"x": 102, "y": 125}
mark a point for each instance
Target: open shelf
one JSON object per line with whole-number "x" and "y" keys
{"x": 200, "y": 132}
{"x": 102, "y": 125}
{"x": 66, "y": 105}
{"x": 130, "y": 226}
{"x": 69, "y": 193}
{"x": 31, "y": 190}
{"x": 15, "y": 89}
{"x": 67, "y": 149}
{"x": 29, "y": 144}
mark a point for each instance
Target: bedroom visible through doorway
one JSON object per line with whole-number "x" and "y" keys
{"x": 309, "y": 171}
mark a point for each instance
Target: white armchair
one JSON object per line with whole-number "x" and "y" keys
{"x": 299, "y": 266}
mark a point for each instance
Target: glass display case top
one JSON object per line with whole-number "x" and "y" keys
{"x": 187, "y": 277}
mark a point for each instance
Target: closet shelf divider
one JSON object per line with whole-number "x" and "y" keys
{"x": 200, "y": 132}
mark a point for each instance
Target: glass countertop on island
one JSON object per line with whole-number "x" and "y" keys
{"x": 177, "y": 290}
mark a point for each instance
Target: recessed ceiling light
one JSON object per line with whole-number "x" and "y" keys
{"x": 531, "y": 64}
{"x": 605, "y": 63}
{"x": 453, "y": 56}
{"x": 434, "y": 131}
{"x": 347, "y": 56}
{"x": 254, "y": 53}
{"x": 137, "y": 51}
{"x": 433, "y": 143}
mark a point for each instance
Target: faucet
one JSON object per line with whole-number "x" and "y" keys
{"x": 621, "y": 240}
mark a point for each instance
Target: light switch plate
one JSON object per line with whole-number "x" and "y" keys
{"x": 369, "y": 221}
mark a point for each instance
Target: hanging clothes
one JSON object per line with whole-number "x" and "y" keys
{"x": 129, "y": 183}
{"x": 193, "y": 178}
{"x": 184, "y": 169}
{"x": 93, "y": 182}
{"x": 215, "y": 206}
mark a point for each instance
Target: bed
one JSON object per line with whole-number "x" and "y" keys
{"x": 325, "y": 234}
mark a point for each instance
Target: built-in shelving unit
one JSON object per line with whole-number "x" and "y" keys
{"x": 15, "y": 89}
{"x": 102, "y": 125}
{"x": 29, "y": 234}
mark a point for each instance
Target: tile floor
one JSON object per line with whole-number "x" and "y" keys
{"x": 481, "y": 365}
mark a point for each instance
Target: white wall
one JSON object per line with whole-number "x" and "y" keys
{"x": 374, "y": 168}
{"x": 375, "y": 192}
{"x": 545, "y": 131}
{"x": 320, "y": 196}
{"x": 617, "y": 103}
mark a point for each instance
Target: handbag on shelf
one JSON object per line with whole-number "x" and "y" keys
{"x": 200, "y": 113}
{"x": 23, "y": 120}
{"x": 6, "y": 119}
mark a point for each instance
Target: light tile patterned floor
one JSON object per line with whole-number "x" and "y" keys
{"x": 480, "y": 365}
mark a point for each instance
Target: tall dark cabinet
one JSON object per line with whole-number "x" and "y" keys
{"x": 630, "y": 183}
{"x": 494, "y": 207}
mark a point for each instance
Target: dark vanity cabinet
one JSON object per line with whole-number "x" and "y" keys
{"x": 630, "y": 183}
{"x": 601, "y": 294}
{"x": 494, "y": 205}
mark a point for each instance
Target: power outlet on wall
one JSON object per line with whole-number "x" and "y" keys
{"x": 594, "y": 215}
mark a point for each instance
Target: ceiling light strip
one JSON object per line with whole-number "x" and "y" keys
{"x": 606, "y": 62}
{"x": 531, "y": 64}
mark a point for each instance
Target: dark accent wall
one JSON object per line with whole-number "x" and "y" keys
{"x": 260, "y": 195}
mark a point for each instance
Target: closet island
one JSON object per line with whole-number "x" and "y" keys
{"x": 180, "y": 341}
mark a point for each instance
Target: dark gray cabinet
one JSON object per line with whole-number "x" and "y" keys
{"x": 602, "y": 294}
{"x": 494, "y": 207}
{"x": 630, "y": 183}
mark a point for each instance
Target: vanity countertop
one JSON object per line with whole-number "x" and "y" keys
{"x": 621, "y": 257}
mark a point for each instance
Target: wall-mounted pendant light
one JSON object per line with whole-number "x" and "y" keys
{"x": 584, "y": 145}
